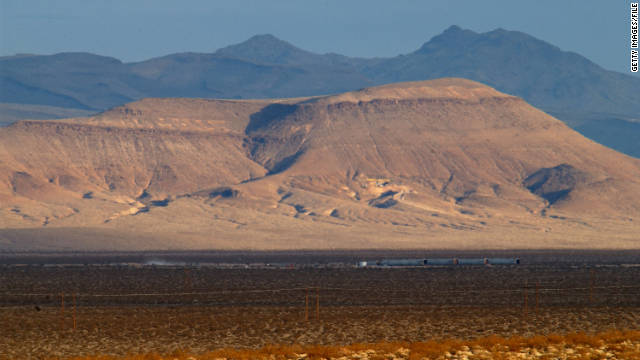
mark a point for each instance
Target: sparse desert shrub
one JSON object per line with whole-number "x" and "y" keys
{"x": 613, "y": 336}
{"x": 433, "y": 348}
{"x": 555, "y": 338}
{"x": 236, "y": 354}
{"x": 629, "y": 355}
{"x": 632, "y": 334}
{"x": 356, "y": 347}
{"x": 582, "y": 338}
{"x": 389, "y": 347}
{"x": 280, "y": 350}
{"x": 515, "y": 343}
{"x": 615, "y": 340}
{"x": 323, "y": 352}
{"x": 538, "y": 341}
{"x": 491, "y": 342}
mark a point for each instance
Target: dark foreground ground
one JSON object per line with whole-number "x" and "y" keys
{"x": 321, "y": 299}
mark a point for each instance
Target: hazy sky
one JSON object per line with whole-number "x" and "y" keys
{"x": 135, "y": 30}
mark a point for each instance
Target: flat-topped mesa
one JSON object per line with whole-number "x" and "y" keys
{"x": 392, "y": 154}
{"x": 222, "y": 115}
{"x": 180, "y": 114}
{"x": 440, "y": 89}
{"x": 458, "y": 136}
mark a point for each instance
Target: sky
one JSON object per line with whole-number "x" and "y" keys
{"x": 135, "y": 30}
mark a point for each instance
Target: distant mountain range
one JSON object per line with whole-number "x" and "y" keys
{"x": 601, "y": 104}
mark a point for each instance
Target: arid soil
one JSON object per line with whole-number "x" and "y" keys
{"x": 125, "y": 310}
{"x": 607, "y": 345}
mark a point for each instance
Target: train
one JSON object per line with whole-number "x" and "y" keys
{"x": 439, "y": 262}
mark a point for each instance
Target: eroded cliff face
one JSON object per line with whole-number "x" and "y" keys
{"x": 409, "y": 161}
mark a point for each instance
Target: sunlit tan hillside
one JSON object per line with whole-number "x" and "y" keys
{"x": 447, "y": 163}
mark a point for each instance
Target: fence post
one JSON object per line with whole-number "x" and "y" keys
{"x": 526, "y": 300}
{"x": 61, "y": 311}
{"x": 317, "y": 303}
{"x": 591, "y": 280}
{"x": 188, "y": 286}
{"x": 306, "y": 306}
{"x": 74, "y": 311}
{"x": 537, "y": 296}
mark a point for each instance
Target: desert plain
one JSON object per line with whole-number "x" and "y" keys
{"x": 552, "y": 303}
